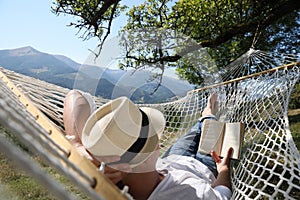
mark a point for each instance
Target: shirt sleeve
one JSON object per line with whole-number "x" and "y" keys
{"x": 224, "y": 191}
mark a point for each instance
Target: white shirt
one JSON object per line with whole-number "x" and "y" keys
{"x": 187, "y": 178}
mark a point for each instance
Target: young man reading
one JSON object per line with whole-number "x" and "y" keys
{"x": 127, "y": 139}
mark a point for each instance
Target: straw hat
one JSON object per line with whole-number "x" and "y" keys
{"x": 121, "y": 128}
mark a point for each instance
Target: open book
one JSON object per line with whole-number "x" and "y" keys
{"x": 220, "y": 136}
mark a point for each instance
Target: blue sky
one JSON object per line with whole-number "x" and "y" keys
{"x": 31, "y": 23}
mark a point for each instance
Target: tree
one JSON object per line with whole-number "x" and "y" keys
{"x": 94, "y": 17}
{"x": 163, "y": 33}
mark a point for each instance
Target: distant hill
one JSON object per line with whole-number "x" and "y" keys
{"x": 68, "y": 61}
{"x": 99, "y": 81}
{"x": 31, "y": 62}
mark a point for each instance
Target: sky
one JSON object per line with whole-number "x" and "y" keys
{"x": 31, "y": 23}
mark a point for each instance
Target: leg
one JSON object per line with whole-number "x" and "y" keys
{"x": 75, "y": 115}
{"x": 77, "y": 109}
{"x": 188, "y": 144}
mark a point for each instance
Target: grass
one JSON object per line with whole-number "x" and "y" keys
{"x": 18, "y": 185}
{"x": 294, "y": 118}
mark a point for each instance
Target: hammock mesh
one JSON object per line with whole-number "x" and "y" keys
{"x": 270, "y": 163}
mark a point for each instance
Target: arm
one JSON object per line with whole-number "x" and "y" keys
{"x": 223, "y": 167}
{"x": 115, "y": 172}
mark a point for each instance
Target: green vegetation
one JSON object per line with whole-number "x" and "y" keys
{"x": 294, "y": 115}
{"x": 294, "y": 118}
{"x": 16, "y": 184}
{"x": 295, "y": 97}
{"x": 19, "y": 185}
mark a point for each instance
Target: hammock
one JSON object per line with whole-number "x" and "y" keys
{"x": 270, "y": 163}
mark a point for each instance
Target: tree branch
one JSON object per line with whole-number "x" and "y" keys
{"x": 108, "y": 28}
{"x": 99, "y": 14}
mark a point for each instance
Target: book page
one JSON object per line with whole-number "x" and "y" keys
{"x": 211, "y": 136}
{"x": 233, "y": 138}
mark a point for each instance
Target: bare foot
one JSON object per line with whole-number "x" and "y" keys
{"x": 212, "y": 105}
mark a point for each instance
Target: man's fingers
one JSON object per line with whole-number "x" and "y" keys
{"x": 116, "y": 172}
{"x": 215, "y": 157}
{"x": 229, "y": 155}
{"x": 114, "y": 177}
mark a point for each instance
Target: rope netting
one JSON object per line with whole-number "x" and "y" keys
{"x": 270, "y": 162}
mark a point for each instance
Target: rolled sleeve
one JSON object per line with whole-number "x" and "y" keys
{"x": 224, "y": 191}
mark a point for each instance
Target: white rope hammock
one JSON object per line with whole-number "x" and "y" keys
{"x": 270, "y": 164}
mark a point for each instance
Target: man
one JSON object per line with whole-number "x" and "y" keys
{"x": 126, "y": 138}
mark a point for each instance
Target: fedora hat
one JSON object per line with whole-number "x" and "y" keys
{"x": 121, "y": 128}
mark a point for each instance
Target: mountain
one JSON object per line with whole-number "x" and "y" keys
{"x": 68, "y": 61}
{"x": 99, "y": 81}
{"x": 30, "y": 62}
